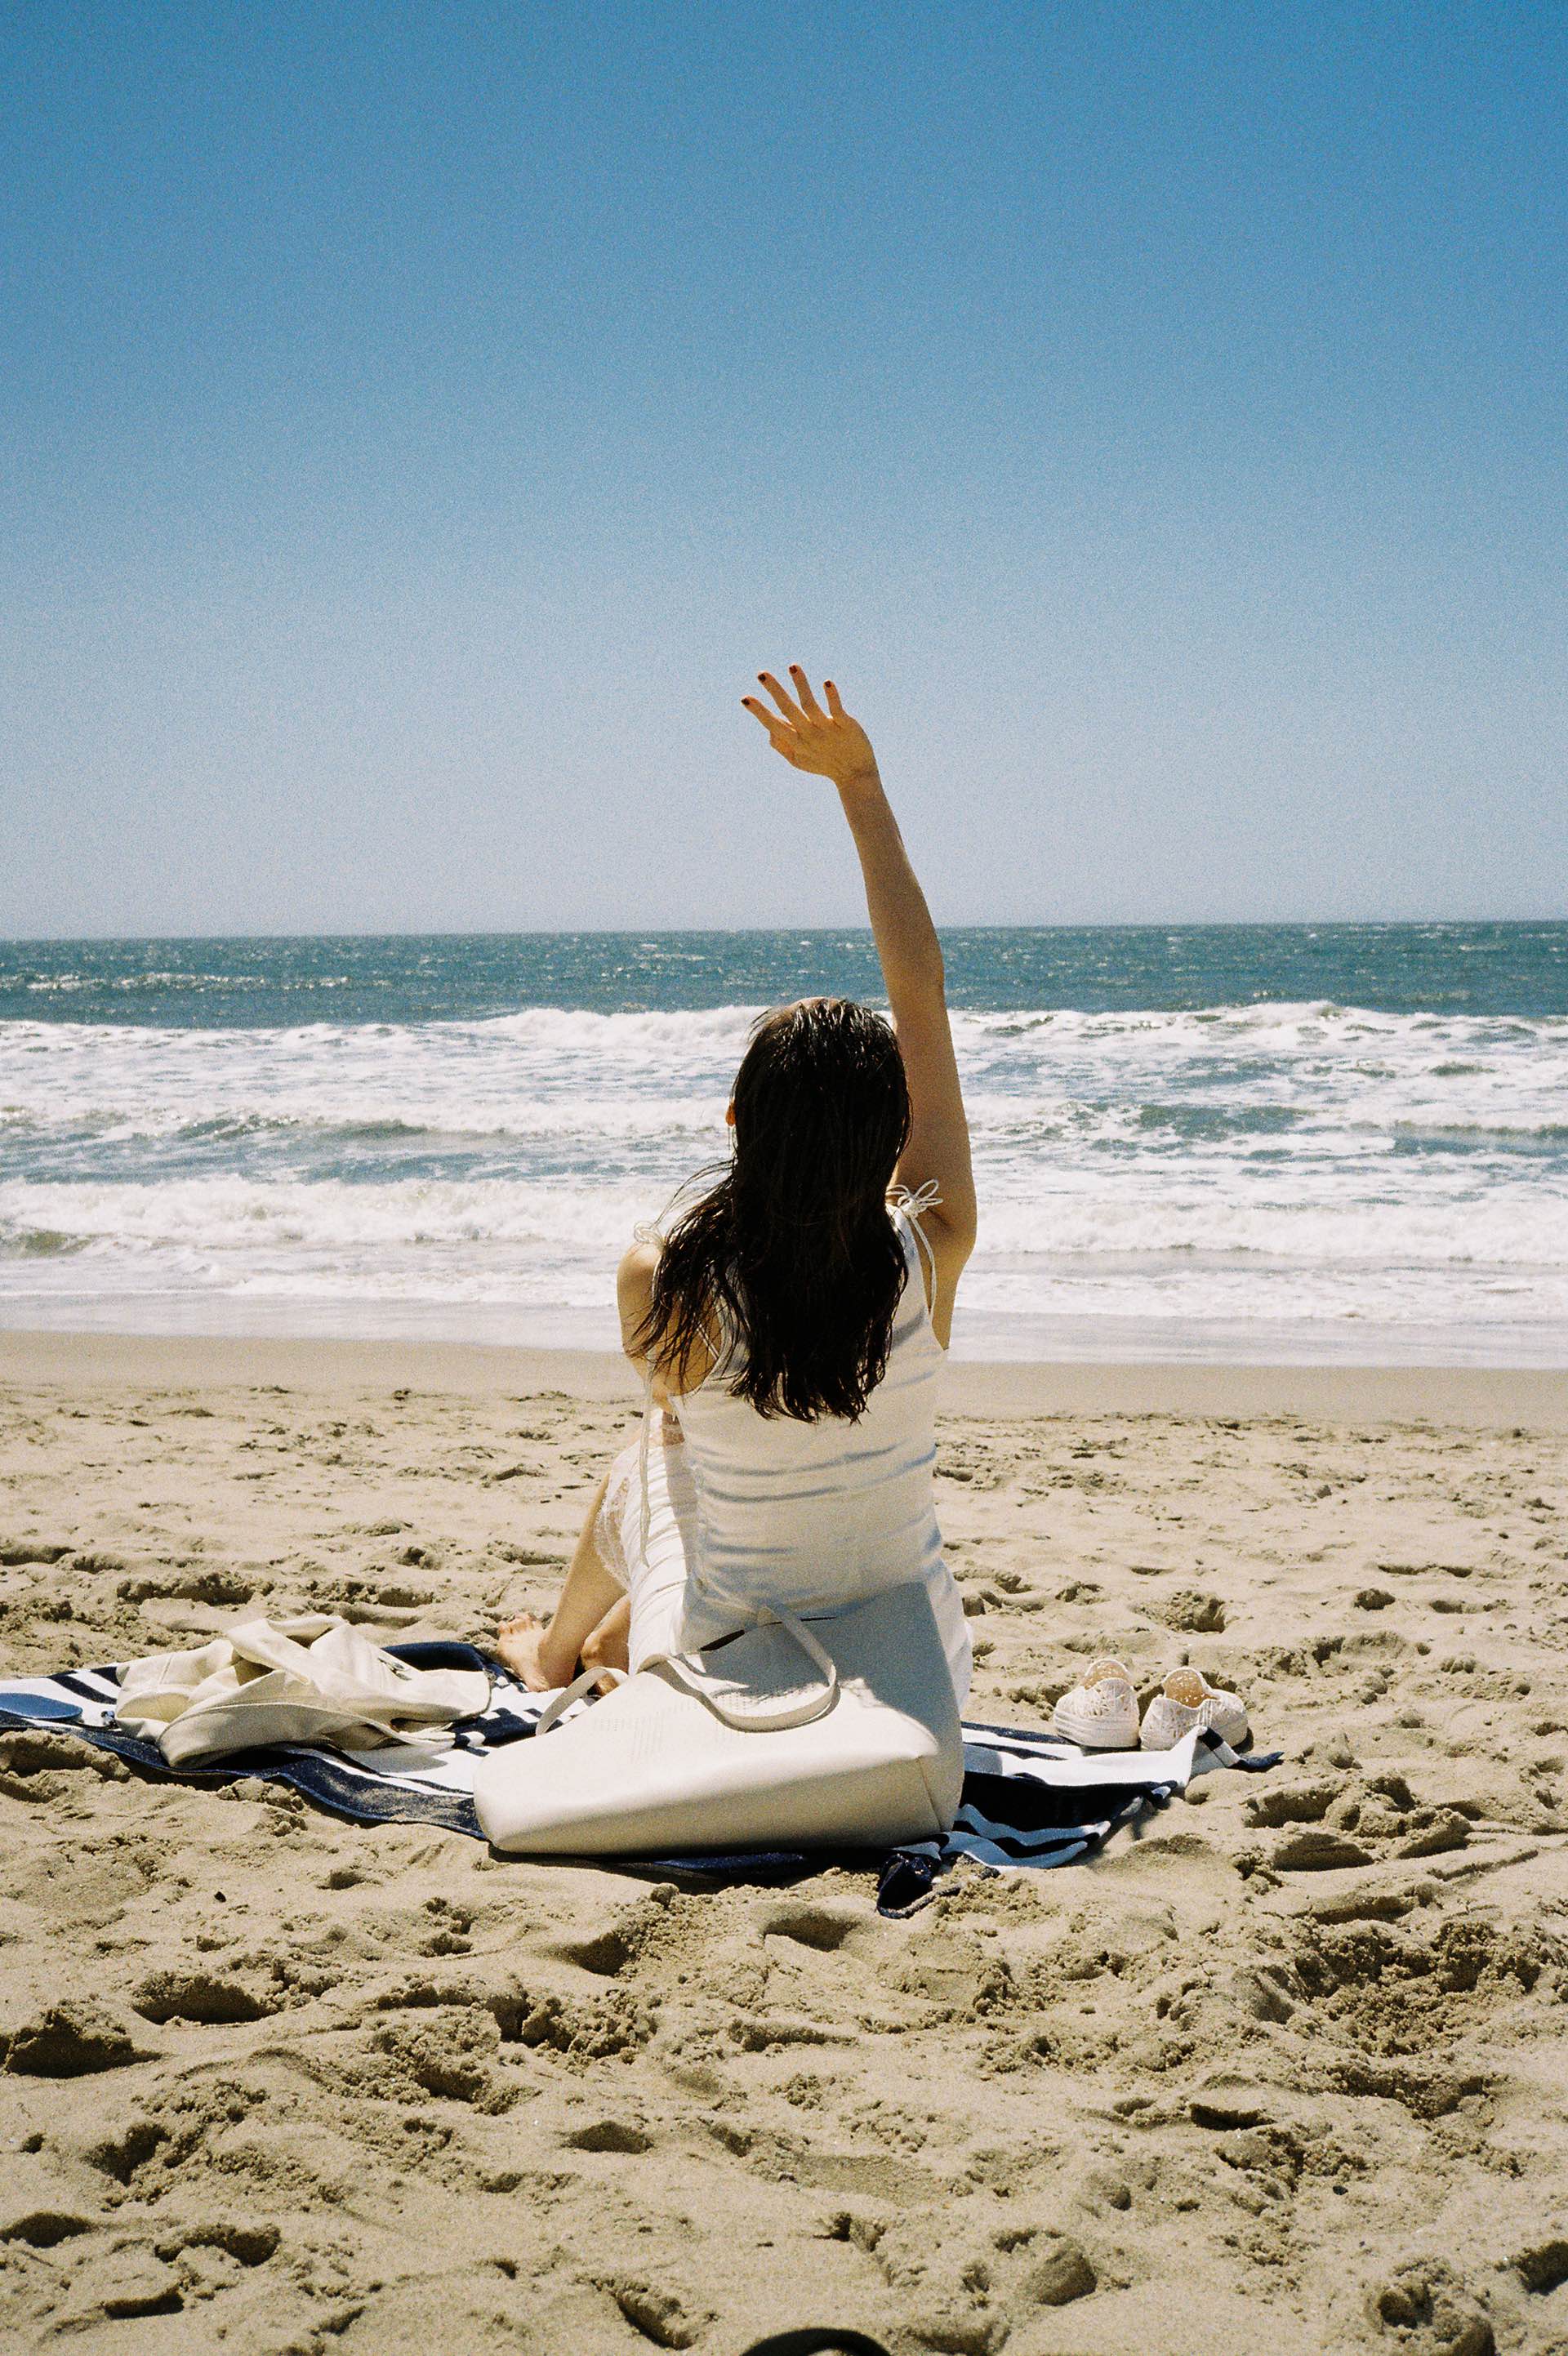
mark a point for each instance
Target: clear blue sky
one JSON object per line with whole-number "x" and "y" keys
{"x": 420, "y": 421}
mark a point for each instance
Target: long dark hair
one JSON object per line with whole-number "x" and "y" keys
{"x": 790, "y": 1264}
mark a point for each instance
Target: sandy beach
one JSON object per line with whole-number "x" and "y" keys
{"x": 1284, "y": 2072}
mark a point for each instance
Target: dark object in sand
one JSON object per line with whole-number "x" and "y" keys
{"x": 816, "y": 2340}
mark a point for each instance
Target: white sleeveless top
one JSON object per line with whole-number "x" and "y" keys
{"x": 813, "y": 1517}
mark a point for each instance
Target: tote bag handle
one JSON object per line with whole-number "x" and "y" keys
{"x": 748, "y": 1720}
{"x": 584, "y": 1682}
{"x": 742, "y": 1719}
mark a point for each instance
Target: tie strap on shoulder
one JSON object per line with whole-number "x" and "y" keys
{"x": 913, "y": 1206}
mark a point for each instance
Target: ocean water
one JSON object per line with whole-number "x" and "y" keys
{"x": 1281, "y": 1142}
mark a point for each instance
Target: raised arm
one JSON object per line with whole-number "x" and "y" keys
{"x": 831, "y": 745}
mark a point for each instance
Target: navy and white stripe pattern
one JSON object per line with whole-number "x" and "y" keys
{"x": 1029, "y": 1799}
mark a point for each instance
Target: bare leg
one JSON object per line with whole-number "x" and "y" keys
{"x": 609, "y": 1647}
{"x": 545, "y": 1656}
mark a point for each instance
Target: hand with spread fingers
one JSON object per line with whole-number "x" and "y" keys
{"x": 828, "y": 743}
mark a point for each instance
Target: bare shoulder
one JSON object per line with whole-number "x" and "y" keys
{"x": 638, "y": 1262}
{"x": 634, "y": 1288}
{"x": 634, "y": 1295}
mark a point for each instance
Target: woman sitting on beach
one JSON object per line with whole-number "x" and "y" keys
{"x": 792, "y": 1322}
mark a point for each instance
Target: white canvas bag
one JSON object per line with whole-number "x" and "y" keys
{"x": 310, "y": 1678}
{"x": 842, "y": 1734}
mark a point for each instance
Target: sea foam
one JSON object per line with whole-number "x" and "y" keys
{"x": 1299, "y": 1163}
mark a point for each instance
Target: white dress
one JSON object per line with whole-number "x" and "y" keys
{"x": 744, "y": 1512}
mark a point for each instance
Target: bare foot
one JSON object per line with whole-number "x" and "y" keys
{"x": 520, "y": 1644}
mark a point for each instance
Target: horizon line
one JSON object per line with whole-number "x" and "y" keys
{"x": 761, "y": 932}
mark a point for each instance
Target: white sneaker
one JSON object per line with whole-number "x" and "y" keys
{"x": 1188, "y": 1700}
{"x": 1100, "y": 1712}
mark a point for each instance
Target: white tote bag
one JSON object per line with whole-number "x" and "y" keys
{"x": 842, "y": 1734}
{"x": 310, "y": 1678}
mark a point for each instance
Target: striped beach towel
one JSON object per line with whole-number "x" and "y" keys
{"x": 1030, "y": 1799}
